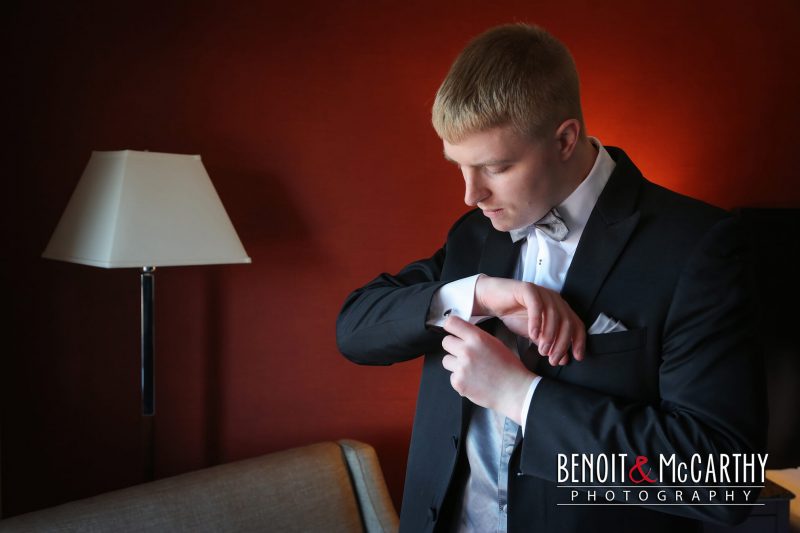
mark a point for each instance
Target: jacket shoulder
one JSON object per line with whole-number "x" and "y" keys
{"x": 680, "y": 213}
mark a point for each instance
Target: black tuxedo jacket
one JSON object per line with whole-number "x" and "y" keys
{"x": 685, "y": 378}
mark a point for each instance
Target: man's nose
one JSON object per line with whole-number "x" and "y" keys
{"x": 475, "y": 191}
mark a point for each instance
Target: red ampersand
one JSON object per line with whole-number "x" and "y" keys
{"x": 641, "y": 460}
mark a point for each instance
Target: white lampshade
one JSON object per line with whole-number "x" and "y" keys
{"x": 136, "y": 209}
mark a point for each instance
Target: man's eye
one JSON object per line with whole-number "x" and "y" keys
{"x": 497, "y": 170}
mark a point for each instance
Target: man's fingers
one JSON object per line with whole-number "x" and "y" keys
{"x": 559, "y": 360}
{"x": 449, "y": 362}
{"x": 561, "y": 343}
{"x": 533, "y": 304}
{"x": 579, "y": 342}
{"x": 460, "y": 328}
{"x": 452, "y": 344}
{"x": 548, "y": 333}
{"x": 457, "y": 382}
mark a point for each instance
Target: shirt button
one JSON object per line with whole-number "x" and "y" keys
{"x": 504, "y": 508}
{"x": 509, "y": 450}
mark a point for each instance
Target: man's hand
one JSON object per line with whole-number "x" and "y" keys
{"x": 534, "y": 312}
{"x": 484, "y": 370}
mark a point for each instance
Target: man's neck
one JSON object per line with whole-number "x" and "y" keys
{"x": 579, "y": 166}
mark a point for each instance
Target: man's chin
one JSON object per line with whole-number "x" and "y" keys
{"x": 499, "y": 225}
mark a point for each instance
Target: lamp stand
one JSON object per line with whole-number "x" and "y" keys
{"x": 148, "y": 352}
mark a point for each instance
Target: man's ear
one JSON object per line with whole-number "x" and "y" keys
{"x": 567, "y": 136}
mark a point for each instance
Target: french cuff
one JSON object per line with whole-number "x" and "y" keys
{"x": 527, "y": 403}
{"x": 454, "y": 298}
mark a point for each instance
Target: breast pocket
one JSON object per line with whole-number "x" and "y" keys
{"x": 615, "y": 363}
{"x": 619, "y": 341}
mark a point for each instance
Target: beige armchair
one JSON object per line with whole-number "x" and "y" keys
{"x": 325, "y": 487}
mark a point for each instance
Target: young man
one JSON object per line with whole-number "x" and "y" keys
{"x": 567, "y": 235}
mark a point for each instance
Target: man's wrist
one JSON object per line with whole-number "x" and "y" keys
{"x": 477, "y": 305}
{"x": 516, "y": 395}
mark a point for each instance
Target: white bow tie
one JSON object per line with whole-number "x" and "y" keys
{"x": 551, "y": 225}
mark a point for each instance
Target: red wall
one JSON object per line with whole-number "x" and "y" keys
{"x": 312, "y": 120}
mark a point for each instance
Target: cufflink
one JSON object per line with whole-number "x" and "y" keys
{"x": 447, "y": 312}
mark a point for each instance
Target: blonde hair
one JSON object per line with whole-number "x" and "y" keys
{"x": 516, "y": 75}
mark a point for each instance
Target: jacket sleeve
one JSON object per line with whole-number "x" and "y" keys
{"x": 383, "y": 322}
{"x": 710, "y": 379}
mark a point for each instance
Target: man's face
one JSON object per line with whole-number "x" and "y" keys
{"x": 514, "y": 180}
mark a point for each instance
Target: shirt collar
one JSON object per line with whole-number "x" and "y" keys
{"x": 575, "y": 210}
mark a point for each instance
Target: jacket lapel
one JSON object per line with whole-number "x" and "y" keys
{"x": 500, "y": 254}
{"x": 607, "y": 231}
{"x": 499, "y": 259}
